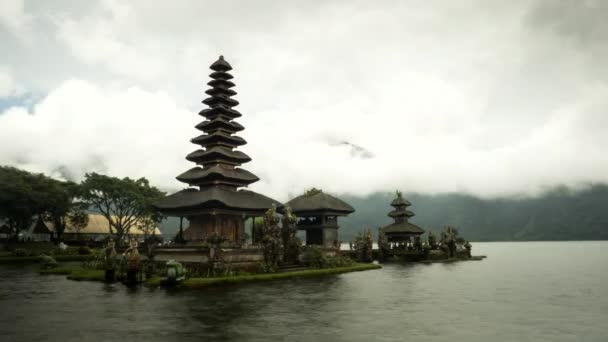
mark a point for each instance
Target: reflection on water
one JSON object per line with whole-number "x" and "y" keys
{"x": 553, "y": 291}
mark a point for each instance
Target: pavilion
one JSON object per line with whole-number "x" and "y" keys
{"x": 317, "y": 214}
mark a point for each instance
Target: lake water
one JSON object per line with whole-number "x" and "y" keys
{"x": 530, "y": 291}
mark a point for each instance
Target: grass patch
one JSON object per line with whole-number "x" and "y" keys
{"x": 76, "y": 273}
{"x": 85, "y": 274}
{"x": 153, "y": 282}
{"x": 62, "y": 270}
{"x": 202, "y": 282}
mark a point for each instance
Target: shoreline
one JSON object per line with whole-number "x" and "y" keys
{"x": 78, "y": 273}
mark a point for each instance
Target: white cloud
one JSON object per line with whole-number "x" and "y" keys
{"x": 12, "y": 15}
{"x": 8, "y": 85}
{"x": 492, "y": 99}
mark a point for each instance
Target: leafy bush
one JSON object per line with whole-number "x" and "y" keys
{"x": 339, "y": 261}
{"x": 48, "y": 262}
{"x": 266, "y": 267}
{"x": 363, "y": 246}
{"x": 314, "y": 257}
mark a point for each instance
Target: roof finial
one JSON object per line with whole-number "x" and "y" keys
{"x": 222, "y": 57}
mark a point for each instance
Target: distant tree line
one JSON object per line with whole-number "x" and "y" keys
{"x": 560, "y": 213}
{"x": 25, "y": 197}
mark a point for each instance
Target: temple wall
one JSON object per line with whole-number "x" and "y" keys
{"x": 330, "y": 235}
{"x": 231, "y": 227}
{"x": 194, "y": 255}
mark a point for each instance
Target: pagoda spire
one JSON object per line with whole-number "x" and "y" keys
{"x": 400, "y": 213}
{"x": 217, "y": 160}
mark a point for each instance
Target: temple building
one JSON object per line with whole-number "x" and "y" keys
{"x": 317, "y": 214}
{"x": 214, "y": 203}
{"x": 97, "y": 229}
{"x": 401, "y": 231}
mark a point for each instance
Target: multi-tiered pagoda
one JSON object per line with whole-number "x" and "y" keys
{"x": 401, "y": 230}
{"x": 214, "y": 203}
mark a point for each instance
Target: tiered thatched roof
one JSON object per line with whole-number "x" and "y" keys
{"x": 217, "y": 174}
{"x": 401, "y": 228}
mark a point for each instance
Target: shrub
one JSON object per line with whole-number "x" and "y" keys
{"x": 339, "y": 261}
{"x": 48, "y": 262}
{"x": 266, "y": 267}
{"x": 314, "y": 257}
{"x": 363, "y": 246}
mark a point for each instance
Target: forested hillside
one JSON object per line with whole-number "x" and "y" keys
{"x": 558, "y": 214}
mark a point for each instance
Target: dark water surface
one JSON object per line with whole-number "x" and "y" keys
{"x": 531, "y": 291}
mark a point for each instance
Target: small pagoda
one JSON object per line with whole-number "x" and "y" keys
{"x": 317, "y": 214}
{"x": 214, "y": 204}
{"x": 401, "y": 231}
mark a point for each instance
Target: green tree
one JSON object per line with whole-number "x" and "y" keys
{"x": 292, "y": 246}
{"x": 363, "y": 246}
{"x": 271, "y": 240}
{"x": 148, "y": 225}
{"x": 432, "y": 240}
{"x": 383, "y": 245}
{"x": 63, "y": 206}
{"x": 25, "y": 196}
{"x": 448, "y": 240}
{"x": 122, "y": 201}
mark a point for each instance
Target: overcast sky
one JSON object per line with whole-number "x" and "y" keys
{"x": 487, "y": 97}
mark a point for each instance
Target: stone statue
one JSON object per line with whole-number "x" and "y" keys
{"x": 133, "y": 260}
{"x": 109, "y": 261}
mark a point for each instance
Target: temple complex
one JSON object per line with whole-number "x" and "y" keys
{"x": 401, "y": 231}
{"x": 317, "y": 214}
{"x": 213, "y": 203}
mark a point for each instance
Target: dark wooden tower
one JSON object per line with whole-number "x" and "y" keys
{"x": 401, "y": 230}
{"x": 214, "y": 203}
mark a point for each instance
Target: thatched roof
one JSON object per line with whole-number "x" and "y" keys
{"x": 401, "y": 213}
{"x": 402, "y": 228}
{"x": 221, "y": 65}
{"x": 218, "y": 138}
{"x": 211, "y": 113}
{"x": 215, "y": 198}
{"x": 220, "y": 83}
{"x": 218, "y": 153}
{"x": 318, "y": 201}
{"x": 97, "y": 224}
{"x": 400, "y": 201}
{"x": 220, "y": 100}
{"x": 220, "y": 123}
{"x": 208, "y": 174}
{"x": 220, "y": 75}
{"x": 220, "y": 91}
